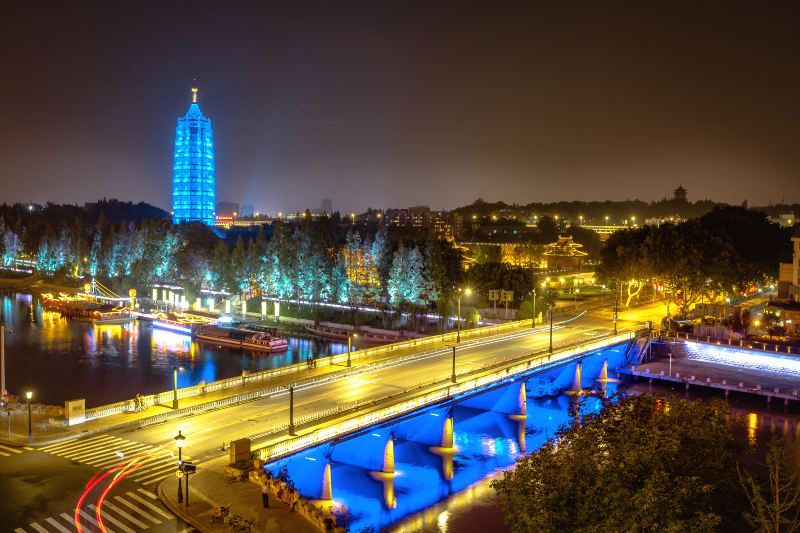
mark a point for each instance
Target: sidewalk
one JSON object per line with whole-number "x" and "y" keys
{"x": 208, "y": 489}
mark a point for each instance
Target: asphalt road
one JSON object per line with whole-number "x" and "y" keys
{"x": 41, "y": 487}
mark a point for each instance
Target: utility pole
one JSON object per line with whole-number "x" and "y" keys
{"x": 3, "y": 358}
{"x": 291, "y": 410}
{"x": 551, "y": 330}
{"x": 453, "y": 375}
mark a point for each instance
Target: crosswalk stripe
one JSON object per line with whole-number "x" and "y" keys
{"x": 20, "y": 530}
{"x": 125, "y": 515}
{"x": 109, "y": 454}
{"x": 4, "y": 454}
{"x": 72, "y": 443}
{"x": 79, "y": 447}
{"x": 107, "y": 516}
{"x": 150, "y": 505}
{"x": 68, "y": 518}
{"x": 154, "y": 477}
{"x": 149, "y": 468}
{"x": 88, "y": 517}
{"x": 148, "y": 494}
{"x": 130, "y": 450}
{"x": 136, "y": 509}
{"x": 38, "y": 528}
{"x": 187, "y": 530}
{"x": 84, "y": 453}
{"x": 58, "y": 526}
{"x": 127, "y": 454}
{"x": 13, "y": 450}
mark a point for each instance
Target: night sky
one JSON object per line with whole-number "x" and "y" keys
{"x": 396, "y": 104}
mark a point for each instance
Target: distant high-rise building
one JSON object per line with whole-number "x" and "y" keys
{"x": 327, "y": 205}
{"x": 193, "y": 178}
{"x": 247, "y": 211}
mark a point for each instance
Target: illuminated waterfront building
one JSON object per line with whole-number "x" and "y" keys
{"x": 193, "y": 179}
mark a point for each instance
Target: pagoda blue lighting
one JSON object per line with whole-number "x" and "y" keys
{"x": 193, "y": 179}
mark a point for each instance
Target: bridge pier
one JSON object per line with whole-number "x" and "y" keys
{"x": 446, "y": 450}
{"x": 575, "y": 388}
{"x": 386, "y": 475}
{"x": 327, "y": 483}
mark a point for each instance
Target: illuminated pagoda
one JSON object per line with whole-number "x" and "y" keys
{"x": 564, "y": 254}
{"x": 193, "y": 179}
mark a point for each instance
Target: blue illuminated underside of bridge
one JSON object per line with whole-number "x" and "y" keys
{"x": 488, "y": 436}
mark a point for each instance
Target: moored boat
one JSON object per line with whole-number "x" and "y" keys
{"x": 264, "y": 340}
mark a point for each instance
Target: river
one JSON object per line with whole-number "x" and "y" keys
{"x": 60, "y": 359}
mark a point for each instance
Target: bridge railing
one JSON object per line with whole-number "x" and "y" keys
{"x": 356, "y": 357}
{"x": 749, "y": 344}
{"x": 447, "y": 390}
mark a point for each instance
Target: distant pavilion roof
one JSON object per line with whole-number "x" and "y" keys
{"x": 564, "y": 247}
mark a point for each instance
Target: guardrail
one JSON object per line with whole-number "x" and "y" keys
{"x": 356, "y": 357}
{"x": 447, "y": 391}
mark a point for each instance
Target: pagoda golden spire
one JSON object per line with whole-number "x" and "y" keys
{"x": 194, "y": 95}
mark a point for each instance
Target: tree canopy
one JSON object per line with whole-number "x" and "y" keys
{"x": 640, "y": 464}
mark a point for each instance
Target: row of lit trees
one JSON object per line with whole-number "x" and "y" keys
{"x": 304, "y": 263}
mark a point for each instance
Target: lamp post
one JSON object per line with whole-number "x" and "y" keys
{"x": 179, "y": 438}
{"x": 453, "y": 373}
{"x": 551, "y": 329}
{"x": 2, "y": 358}
{"x": 175, "y": 389}
{"x": 466, "y": 292}
{"x": 175, "y": 386}
{"x": 350, "y": 347}
{"x": 28, "y": 396}
{"x": 533, "y": 311}
{"x": 291, "y": 410}
{"x": 616, "y": 303}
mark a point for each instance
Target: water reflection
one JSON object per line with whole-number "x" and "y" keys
{"x": 61, "y": 359}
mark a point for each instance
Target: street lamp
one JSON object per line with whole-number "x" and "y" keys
{"x": 533, "y": 311}
{"x": 179, "y": 438}
{"x": 28, "y": 396}
{"x": 467, "y": 292}
{"x": 350, "y": 347}
{"x": 453, "y": 373}
{"x": 175, "y": 387}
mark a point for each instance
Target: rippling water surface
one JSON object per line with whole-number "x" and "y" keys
{"x": 61, "y": 359}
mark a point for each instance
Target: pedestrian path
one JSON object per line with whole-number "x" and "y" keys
{"x": 134, "y": 511}
{"x": 108, "y": 451}
{"x": 10, "y": 451}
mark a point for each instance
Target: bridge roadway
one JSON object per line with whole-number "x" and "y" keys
{"x": 207, "y": 431}
{"x": 68, "y": 465}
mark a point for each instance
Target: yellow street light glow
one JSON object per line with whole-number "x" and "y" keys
{"x": 467, "y": 291}
{"x": 29, "y": 394}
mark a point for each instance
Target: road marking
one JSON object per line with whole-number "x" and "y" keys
{"x": 113, "y": 520}
{"x": 84, "y": 453}
{"x": 74, "y": 443}
{"x": 148, "y": 468}
{"x": 109, "y": 452}
{"x": 136, "y": 509}
{"x": 77, "y": 447}
{"x": 150, "y": 505}
{"x": 38, "y": 528}
{"x": 14, "y": 450}
{"x": 148, "y": 494}
{"x": 125, "y": 515}
{"x": 20, "y": 530}
{"x": 68, "y": 518}
{"x": 92, "y": 520}
{"x": 126, "y": 457}
{"x": 4, "y": 454}
{"x": 58, "y": 526}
